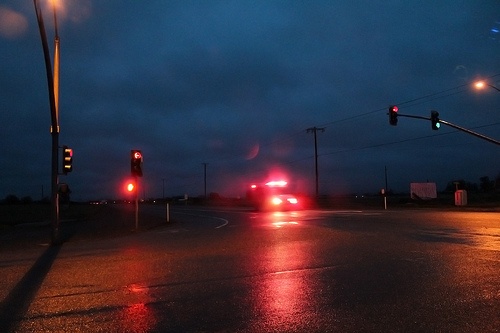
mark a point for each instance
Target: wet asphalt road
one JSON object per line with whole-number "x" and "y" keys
{"x": 216, "y": 270}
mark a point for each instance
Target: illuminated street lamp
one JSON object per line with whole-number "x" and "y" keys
{"x": 482, "y": 84}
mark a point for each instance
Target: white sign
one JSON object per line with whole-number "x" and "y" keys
{"x": 423, "y": 191}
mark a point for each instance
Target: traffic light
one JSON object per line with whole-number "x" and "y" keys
{"x": 435, "y": 120}
{"x": 393, "y": 115}
{"x": 130, "y": 187}
{"x": 67, "y": 162}
{"x": 136, "y": 163}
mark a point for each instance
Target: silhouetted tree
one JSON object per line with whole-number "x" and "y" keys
{"x": 486, "y": 185}
{"x": 462, "y": 185}
{"x": 26, "y": 200}
{"x": 11, "y": 199}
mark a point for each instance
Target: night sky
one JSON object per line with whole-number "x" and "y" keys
{"x": 234, "y": 85}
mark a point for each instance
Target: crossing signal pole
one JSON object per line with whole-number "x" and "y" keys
{"x": 133, "y": 188}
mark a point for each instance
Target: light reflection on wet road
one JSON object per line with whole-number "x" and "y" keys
{"x": 245, "y": 271}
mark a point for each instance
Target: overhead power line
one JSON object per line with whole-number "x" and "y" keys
{"x": 406, "y": 103}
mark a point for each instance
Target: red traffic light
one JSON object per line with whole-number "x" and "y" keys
{"x": 67, "y": 161}
{"x": 136, "y": 163}
{"x": 130, "y": 187}
{"x": 393, "y": 115}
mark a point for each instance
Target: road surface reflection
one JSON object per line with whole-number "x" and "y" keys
{"x": 136, "y": 316}
{"x": 283, "y": 296}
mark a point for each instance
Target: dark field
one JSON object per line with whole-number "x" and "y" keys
{"x": 40, "y": 214}
{"x": 11, "y": 215}
{"x": 30, "y": 224}
{"x": 24, "y": 225}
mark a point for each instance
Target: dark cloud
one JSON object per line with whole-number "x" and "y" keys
{"x": 235, "y": 84}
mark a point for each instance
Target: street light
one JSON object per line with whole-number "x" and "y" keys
{"x": 53, "y": 87}
{"x": 483, "y": 84}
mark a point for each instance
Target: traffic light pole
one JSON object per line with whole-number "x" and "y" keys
{"x": 136, "y": 203}
{"x": 481, "y": 136}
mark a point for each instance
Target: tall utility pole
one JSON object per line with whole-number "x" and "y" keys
{"x": 205, "y": 177}
{"x": 315, "y": 130}
{"x": 53, "y": 86}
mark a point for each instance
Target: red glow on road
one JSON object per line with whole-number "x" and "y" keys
{"x": 138, "y": 318}
{"x": 282, "y": 296}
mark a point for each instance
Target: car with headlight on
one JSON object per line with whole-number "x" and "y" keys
{"x": 272, "y": 195}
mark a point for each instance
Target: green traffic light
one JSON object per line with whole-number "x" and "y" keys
{"x": 435, "y": 120}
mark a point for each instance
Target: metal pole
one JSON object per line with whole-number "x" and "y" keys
{"x": 205, "y": 177}
{"x": 168, "y": 212}
{"x": 55, "y": 187}
{"x": 53, "y": 86}
{"x": 316, "y": 163}
{"x": 136, "y": 203}
{"x": 481, "y": 136}
{"x": 492, "y": 86}
{"x": 385, "y": 192}
{"x": 460, "y": 128}
{"x": 55, "y": 130}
